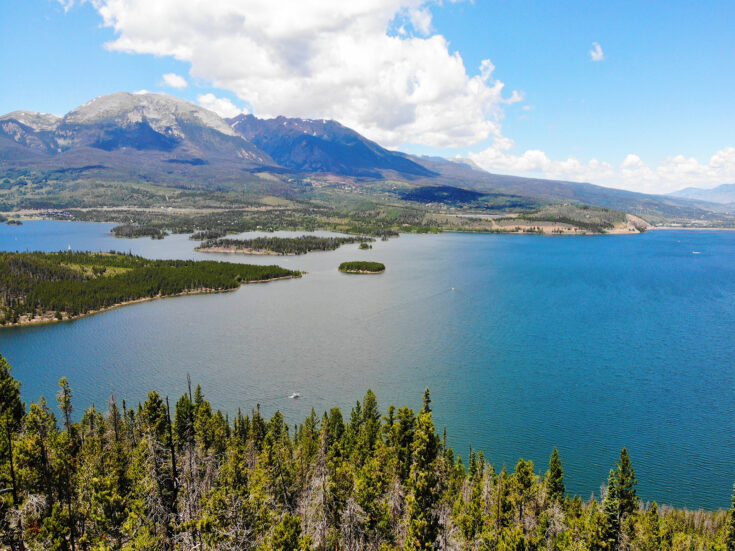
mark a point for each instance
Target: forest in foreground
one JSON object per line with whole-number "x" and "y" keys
{"x": 186, "y": 477}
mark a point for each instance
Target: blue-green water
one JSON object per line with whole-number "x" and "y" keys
{"x": 586, "y": 343}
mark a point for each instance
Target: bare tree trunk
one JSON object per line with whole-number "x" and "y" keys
{"x": 174, "y": 472}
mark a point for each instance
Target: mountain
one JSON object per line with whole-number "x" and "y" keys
{"x": 147, "y": 138}
{"x": 122, "y": 135}
{"x": 324, "y": 146}
{"x": 723, "y": 194}
{"x": 463, "y": 173}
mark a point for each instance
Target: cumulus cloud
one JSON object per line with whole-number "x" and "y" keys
{"x": 632, "y": 173}
{"x": 596, "y": 53}
{"x": 373, "y": 65}
{"x": 175, "y": 81}
{"x": 222, "y": 106}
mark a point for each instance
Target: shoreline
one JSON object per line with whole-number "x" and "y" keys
{"x": 38, "y": 215}
{"x": 49, "y": 318}
{"x": 228, "y": 250}
{"x": 362, "y": 271}
{"x": 677, "y": 228}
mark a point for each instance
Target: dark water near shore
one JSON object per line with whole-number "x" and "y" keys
{"x": 586, "y": 343}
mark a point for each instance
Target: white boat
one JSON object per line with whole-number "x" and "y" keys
{"x": 295, "y": 396}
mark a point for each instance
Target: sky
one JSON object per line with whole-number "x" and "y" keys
{"x": 635, "y": 95}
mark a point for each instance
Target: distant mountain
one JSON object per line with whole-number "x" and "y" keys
{"x": 723, "y": 194}
{"x": 459, "y": 172}
{"x": 324, "y": 146}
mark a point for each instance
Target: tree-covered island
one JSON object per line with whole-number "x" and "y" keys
{"x": 136, "y": 230}
{"x": 43, "y": 287}
{"x": 362, "y": 267}
{"x": 183, "y": 476}
{"x": 278, "y": 245}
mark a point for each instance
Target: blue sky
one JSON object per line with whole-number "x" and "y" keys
{"x": 663, "y": 89}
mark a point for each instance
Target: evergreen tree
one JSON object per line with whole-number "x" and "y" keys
{"x": 427, "y": 401}
{"x": 11, "y": 415}
{"x": 611, "y": 514}
{"x": 367, "y": 427}
{"x": 131, "y": 480}
{"x": 65, "y": 405}
{"x": 12, "y": 408}
{"x": 523, "y": 478}
{"x": 555, "y": 478}
{"x": 184, "y": 421}
{"x": 625, "y": 483}
{"x": 423, "y": 525}
{"x": 730, "y": 525}
{"x": 650, "y": 539}
{"x": 286, "y": 534}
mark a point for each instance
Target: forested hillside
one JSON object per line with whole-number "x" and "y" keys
{"x": 69, "y": 284}
{"x": 183, "y": 476}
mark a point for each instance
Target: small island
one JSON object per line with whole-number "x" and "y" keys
{"x": 362, "y": 267}
{"x": 134, "y": 231}
{"x": 47, "y": 287}
{"x": 278, "y": 245}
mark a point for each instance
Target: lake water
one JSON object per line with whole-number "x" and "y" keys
{"x": 586, "y": 343}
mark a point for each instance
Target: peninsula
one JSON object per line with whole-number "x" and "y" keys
{"x": 47, "y": 287}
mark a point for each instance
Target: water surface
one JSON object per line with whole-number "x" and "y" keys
{"x": 587, "y": 343}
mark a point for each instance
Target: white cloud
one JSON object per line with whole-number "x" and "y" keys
{"x": 632, "y": 173}
{"x": 175, "y": 81}
{"x": 222, "y": 106}
{"x": 596, "y": 53}
{"x": 324, "y": 59}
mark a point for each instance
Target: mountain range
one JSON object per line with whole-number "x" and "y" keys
{"x": 156, "y": 138}
{"x": 723, "y": 194}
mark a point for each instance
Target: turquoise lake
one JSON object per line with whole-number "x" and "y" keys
{"x": 527, "y": 342}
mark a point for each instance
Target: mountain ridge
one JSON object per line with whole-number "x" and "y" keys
{"x": 157, "y": 138}
{"x": 319, "y": 145}
{"x": 723, "y": 194}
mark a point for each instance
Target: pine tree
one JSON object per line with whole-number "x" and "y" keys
{"x": 468, "y": 515}
{"x": 611, "y": 514}
{"x": 730, "y": 528}
{"x": 11, "y": 414}
{"x": 12, "y": 408}
{"x": 423, "y": 525}
{"x": 651, "y": 530}
{"x": 286, "y": 534}
{"x": 66, "y": 452}
{"x": 427, "y": 401}
{"x": 523, "y": 481}
{"x": 625, "y": 483}
{"x": 367, "y": 427}
{"x": 64, "y": 399}
{"x": 555, "y": 478}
